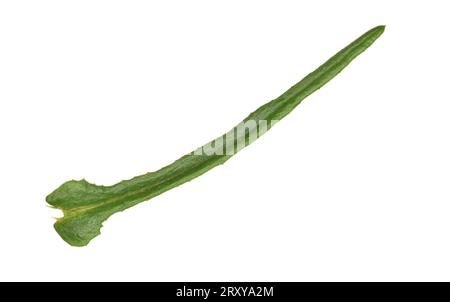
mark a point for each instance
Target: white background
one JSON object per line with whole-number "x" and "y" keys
{"x": 352, "y": 186}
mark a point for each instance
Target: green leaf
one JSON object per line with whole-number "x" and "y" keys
{"x": 86, "y": 206}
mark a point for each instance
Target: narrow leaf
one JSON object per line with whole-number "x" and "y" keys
{"x": 86, "y": 206}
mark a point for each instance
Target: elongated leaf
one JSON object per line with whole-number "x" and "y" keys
{"x": 86, "y": 206}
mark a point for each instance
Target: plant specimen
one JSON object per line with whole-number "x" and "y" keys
{"x": 86, "y": 206}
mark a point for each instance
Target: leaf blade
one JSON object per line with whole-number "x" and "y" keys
{"x": 86, "y": 206}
